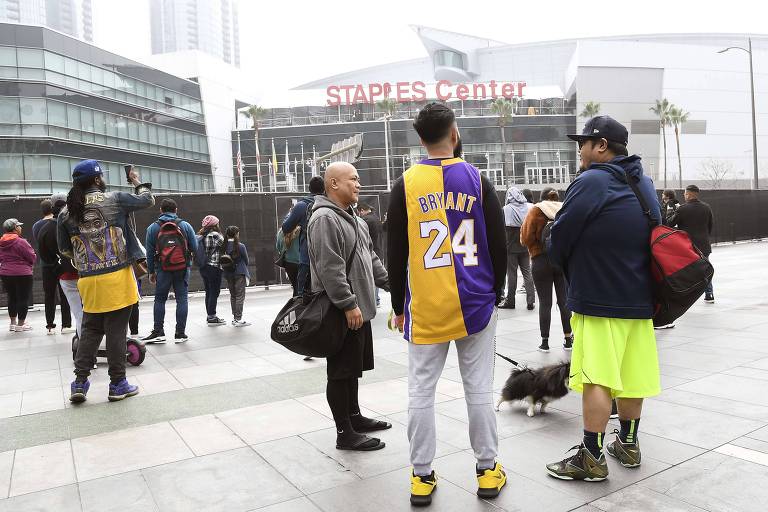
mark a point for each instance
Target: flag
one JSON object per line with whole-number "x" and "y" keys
{"x": 239, "y": 163}
{"x": 314, "y": 161}
{"x": 287, "y": 159}
{"x": 274, "y": 167}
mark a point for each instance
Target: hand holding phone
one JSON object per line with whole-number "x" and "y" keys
{"x": 131, "y": 175}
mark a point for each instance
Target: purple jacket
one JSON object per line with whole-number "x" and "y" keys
{"x": 16, "y": 256}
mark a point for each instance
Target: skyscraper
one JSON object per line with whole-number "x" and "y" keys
{"x": 61, "y": 15}
{"x": 207, "y": 25}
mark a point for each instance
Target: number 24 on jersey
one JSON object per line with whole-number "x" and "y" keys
{"x": 463, "y": 242}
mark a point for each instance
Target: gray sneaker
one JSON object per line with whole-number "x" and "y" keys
{"x": 628, "y": 454}
{"x": 581, "y": 466}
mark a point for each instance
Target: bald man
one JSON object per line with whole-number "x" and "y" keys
{"x": 344, "y": 265}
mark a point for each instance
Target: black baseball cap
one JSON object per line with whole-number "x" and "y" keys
{"x": 603, "y": 127}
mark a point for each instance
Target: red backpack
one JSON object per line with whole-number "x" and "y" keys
{"x": 680, "y": 272}
{"x": 171, "y": 246}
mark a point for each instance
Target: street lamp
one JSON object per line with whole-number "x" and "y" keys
{"x": 752, "y": 90}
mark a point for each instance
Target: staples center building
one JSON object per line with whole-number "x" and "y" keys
{"x": 551, "y": 84}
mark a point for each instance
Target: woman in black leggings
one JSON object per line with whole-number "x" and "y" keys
{"x": 545, "y": 276}
{"x": 16, "y": 260}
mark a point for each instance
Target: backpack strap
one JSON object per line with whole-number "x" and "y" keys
{"x": 643, "y": 203}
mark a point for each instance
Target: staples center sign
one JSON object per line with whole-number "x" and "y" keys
{"x": 419, "y": 91}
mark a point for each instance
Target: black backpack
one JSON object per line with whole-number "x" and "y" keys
{"x": 171, "y": 246}
{"x": 227, "y": 262}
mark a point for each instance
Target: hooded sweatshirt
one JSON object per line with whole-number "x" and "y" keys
{"x": 331, "y": 238}
{"x": 601, "y": 240}
{"x": 516, "y": 207}
{"x": 16, "y": 256}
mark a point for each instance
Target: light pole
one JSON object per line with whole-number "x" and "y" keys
{"x": 752, "y": 91}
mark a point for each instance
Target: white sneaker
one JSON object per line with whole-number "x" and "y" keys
{"x": 240, "y": 323}
{"x": 51, "y": 331}
{"x": 67, "y": 330}
{"x": 22, "y": 328}
{"x": 667, "y": 326}
{"x": 12, "y": 327}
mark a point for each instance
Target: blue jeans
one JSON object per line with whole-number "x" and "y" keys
{"x": 302, "y": 278}
{"x": 709, "y": 288}
{"x": 212, "y": 282}
{"x": 179, "y": 279}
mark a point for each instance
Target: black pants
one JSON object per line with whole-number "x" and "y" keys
{"x": 342, "y": 399}
{"x": 19, "y": 290}
{"x": 133, "y": 321}
{"x": 292, "y": 270}
{"x": 545, "y": 276}
{"x": 520, "y": 260}
{"x": 212, "y": 282}
{"x": 112, "y": 325}
{"x": 51, "y": 287}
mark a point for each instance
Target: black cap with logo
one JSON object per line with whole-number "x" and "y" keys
{"x": 603, "y": 127}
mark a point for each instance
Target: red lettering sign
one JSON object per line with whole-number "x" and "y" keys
{"x": 419, "y": 91}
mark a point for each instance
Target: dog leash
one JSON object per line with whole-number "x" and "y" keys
{"x": 509, "y": 360}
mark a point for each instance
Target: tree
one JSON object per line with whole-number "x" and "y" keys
{"x": 677, "y": 116}
{"x": 256, "y": 114}
{"x": 389, "y": 107}
{"x": 591, "y": 109}
{"x": 505, "y": 109}
{"x": 716, "y": 172}
{"x": 662, "y": 111}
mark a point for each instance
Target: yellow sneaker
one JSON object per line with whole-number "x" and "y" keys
{"x": 490, "y": 481}
{"x": 422, "y": 488}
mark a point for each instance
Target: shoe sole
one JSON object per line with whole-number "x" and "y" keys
{"x": 623, "y": 463}
{"x": 160, "y": 339}
{"x": 181, "y": 340}
{"x": 117, "y": 398}
{"x": 371, "y": 449}
{"x": 546, "y": 351}
{"x": 709, "y": 301}
{"x": 241, "y": 325}
{"x": 77, "y": 398}
{"x": 567, "y": 349}
{"x": 564, "y": 477}
{"x": 423, "y": 501}
{"x": 216, "y": 325}
{"x": 489, "y": 494}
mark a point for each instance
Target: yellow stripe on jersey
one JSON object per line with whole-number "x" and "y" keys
{"x": 435, "y": 309}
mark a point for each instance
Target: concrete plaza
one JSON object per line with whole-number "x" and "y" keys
{"x": 230, "y": 421}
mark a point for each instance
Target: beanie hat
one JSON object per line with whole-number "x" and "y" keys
{"x": 210, "y": 220}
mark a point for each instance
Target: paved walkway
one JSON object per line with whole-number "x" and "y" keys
{"x": 231, "y": 422}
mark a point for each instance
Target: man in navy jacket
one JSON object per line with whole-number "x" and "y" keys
{"x": 600, "y": 238}
{"x": 299, "y": 216}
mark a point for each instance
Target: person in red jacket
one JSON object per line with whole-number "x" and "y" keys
{"x": 16, "y": 260}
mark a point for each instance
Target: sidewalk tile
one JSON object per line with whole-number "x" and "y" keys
{"x": 42, "y": 467}
{"x": 60, "y": 499}
{"x": 127, "y": 492}
{"x": 206, "y": 434}
{"x": 275, "y": 420}
{"x": 41, "y": 400}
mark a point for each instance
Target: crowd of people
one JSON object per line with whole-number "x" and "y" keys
{"x": 451, "y": 259}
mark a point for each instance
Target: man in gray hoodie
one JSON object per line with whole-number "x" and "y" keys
{"x": 515, "y": 209}
{"x": 336, "y": 234}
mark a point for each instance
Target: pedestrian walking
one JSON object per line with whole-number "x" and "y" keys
{"x": 16, "y": 261}
{"x": 337, "y": 235}
{"x": 234, "y": 263}
{"x": 287, "y": 246}
{"x": 447, "y": 262}
{"x": 52, "y": 267}
{"x": 516, "y": 208}
{"x": 669, "y": 205}
{"x": 600, "y": 239}
{"x": 299, "y": 216}
{"x": 211, "y": 245}
{"x": 545, "y": 275}
{"x": 170, "y": 243}
{"x": 695, "y": 218}
{"x": 94, "y": 233}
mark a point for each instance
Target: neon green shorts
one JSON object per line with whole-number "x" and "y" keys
{"x": 617, "y": 353}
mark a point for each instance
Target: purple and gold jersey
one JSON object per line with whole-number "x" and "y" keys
{"x": 449, "y": 293}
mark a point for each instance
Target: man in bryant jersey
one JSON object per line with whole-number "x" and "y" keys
{"x": 447, "y": 264}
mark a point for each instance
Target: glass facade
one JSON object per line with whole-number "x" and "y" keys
{"x": 62, "y": 101}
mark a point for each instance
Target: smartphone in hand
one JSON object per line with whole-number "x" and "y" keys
{"x": 128, "y": 168}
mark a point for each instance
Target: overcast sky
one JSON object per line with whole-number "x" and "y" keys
{"x": 285, "y": 43}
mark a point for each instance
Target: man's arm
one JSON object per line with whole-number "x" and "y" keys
{"x": 583, "y": 200}
{"x": 710, "y": 220}
{"x": 397, "y": 245}
{"x": 149, "y": 244}
{"x": 327, "y": 255}
{"x": 63, "y": 240}
{"x": 298, "y": 212}
{"x": 190, "y": 235}
{"x": 496, "y": 235}
{"x": 143, "y": 198}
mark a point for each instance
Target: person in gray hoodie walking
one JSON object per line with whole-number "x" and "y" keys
{"x": 334, "y": 232}
{"x": 515, "y": 209}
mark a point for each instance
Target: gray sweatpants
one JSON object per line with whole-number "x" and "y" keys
{"x": 476, "y": 363}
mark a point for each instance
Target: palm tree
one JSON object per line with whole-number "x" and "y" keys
{"x": 677, "y": 117}
{"x": 256, "y": 114}
{"x": 591, "y": 109}
{"x": 505, "y": 109}
{"x": 389, "y": 107}
{"x": 662, "y": 110}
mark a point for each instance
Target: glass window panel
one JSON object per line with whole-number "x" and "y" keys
{"x": 9, "y": 110}
{"x": 31, "y": 74}
{"x": 179, "y": 139}
{"x": 11, "y": 168}
{"x": 37, "y": 168}
{"x": 111, "y": 125}
{"x": 162, "y": 136}
{"x": 133, "y": 129}
{"x": 34, "y": 129}
{"x": 188, "y": 141}
{"x": 73, "y": 117}
{"x": 70, "y": 67}
{"x": 60, "y": 169}
{"x": 97, "y": 75}
{"x": 8, "y": 72}
{"x": 83, "y": 71}
{"x": 99, "y": 122}
{"x": 30, "y": 58}
{"x": 54, "y": 62}
{"x": 7, "y": 56}
{"x": 33, "y": 110}
{"x": 122, "y": 127}
{"x": 174, "y": 183}
{"x": 143, "y": 132}
{"x": 55, "y": 131}
{"x": 109, "y": 79}
{"x": 141, "y": 88}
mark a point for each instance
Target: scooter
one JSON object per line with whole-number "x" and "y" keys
{"x": 135, "y": 350}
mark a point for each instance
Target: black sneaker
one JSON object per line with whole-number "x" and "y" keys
{"x": 216, "y": 322}
{"x": 544, "y": 347}
{"x": 530, "y": 306}
{"x": 155, "y": 337}
{"x": 709, "y": 298}
{"x": 507, "y": 304}
{"x": 568, "y": 345}
{"x": 180, "y": 337}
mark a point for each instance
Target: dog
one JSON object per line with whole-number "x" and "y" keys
{"x": 536, "y": 386}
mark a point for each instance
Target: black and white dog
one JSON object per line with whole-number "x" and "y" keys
{"x": 536, "y": 386}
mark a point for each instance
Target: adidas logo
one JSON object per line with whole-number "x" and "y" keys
{"x": 288, "y": 324}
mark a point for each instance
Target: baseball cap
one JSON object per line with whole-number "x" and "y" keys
{"x": 603, "y": 127}
{"x": 86, "y": 169}
{"x": 11, "y": 224}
